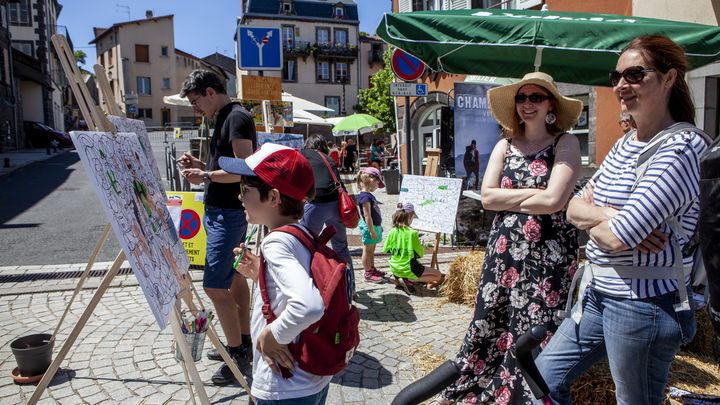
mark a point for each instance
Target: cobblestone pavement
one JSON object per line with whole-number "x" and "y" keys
{"x": 122, "y": 357}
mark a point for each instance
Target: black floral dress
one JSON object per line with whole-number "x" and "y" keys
{"x": 529, "y": 262}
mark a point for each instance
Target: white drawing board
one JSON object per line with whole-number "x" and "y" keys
{"x": 130, "y": 195}
{"x": 138, "y": 128}
{"x": 435, "y": 200}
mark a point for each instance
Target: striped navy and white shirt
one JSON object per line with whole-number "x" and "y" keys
{"x": 668, "y": 188}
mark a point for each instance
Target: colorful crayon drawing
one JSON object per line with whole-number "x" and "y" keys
{"x": 435, "y": 199}
{"x": 137, "y": 127}
{"x": 135, "y": 205}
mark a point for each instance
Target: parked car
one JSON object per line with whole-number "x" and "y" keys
{"x": 39, "y": 135}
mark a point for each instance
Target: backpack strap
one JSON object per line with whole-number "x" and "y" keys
{"x": 648, "y": 153}
{"x": 306, "y": 240}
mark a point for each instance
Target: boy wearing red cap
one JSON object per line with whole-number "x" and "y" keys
{"x": 276, "y": 181}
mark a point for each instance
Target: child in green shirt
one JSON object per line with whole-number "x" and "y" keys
{"x": 405, "y": 249}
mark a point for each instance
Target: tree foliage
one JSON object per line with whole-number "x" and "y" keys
{"x": 80, "y": 56}
{"x": 377, "y": 100}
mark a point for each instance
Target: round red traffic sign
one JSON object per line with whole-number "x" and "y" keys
{"x": 406, "y": 66}
{"x": 189, "y": 224}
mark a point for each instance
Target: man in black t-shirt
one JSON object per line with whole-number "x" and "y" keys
{"x": 225, "y": 223}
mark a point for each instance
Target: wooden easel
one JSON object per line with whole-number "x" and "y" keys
{"x": 98, "y": 122}
{"x": 432, "y": 160}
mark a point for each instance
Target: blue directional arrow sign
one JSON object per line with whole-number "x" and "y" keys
{"x": 259, "y": 48}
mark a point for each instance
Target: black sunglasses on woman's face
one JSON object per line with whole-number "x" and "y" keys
{"x": 534, "y": 98}
{"x": 632, "y": 75}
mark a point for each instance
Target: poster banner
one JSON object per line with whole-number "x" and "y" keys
{"x": 129, "y": 193}
{"x": 476, "y": 133}
{"x": 255, "y": 107}
{"x": 281, "y": 114}
{"x": 190, "y": 224}
{"x": 294, "y": 141}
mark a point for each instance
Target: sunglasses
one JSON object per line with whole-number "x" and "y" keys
{"x": 534, "y": 98}
{"x": 632, "y": 75}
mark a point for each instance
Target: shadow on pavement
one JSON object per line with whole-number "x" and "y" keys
{"x": 364, "y": 370}
{"x": 62, "y": 376}
{"x": 389, "y": 307}
{"x": 26, "y": 186}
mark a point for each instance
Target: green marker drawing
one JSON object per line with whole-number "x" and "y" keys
{"x": 426, "y": 202}
{"x": 442, "y": 187}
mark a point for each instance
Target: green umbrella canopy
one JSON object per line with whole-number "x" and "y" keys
{"x": 572, "y": 47}
{"x": 357, "y": 124}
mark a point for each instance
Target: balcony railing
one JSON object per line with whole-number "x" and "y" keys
{"x": 297, "y": 48}
{"x": 337, "y": 50}
{"x": 375, "y": 56}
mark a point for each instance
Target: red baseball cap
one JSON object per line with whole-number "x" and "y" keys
{"x": 280, "y": 167}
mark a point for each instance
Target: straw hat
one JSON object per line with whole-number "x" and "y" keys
{"x": 502, "y": 101}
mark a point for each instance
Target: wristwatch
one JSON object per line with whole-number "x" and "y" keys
{"x": 206, "y": 178}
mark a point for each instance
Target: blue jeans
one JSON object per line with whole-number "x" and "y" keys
{"x": 225, "y": 229}
{"x": 315, "y": 399}
{"x": 639, "y": 338}
{"x": 317, "y": 216}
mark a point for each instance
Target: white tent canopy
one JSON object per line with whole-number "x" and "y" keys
{"x": 304, "y": 117}
{"x": 302, "y": 104}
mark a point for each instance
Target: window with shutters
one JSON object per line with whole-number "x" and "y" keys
{"x": 142, "y": 53}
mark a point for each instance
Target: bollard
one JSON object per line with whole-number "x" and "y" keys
{"x": 6, "y": 162}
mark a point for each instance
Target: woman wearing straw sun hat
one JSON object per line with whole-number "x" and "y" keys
{"x": 532, "y": 249}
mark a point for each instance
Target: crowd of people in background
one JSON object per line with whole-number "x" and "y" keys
{"x": 637, "y": 223}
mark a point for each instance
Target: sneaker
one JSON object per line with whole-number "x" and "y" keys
{"x": 372, "y": 277}
{"x": 245, "y": 357}
{"x": 378, "y": 272}
{"x": 223, "y": 376}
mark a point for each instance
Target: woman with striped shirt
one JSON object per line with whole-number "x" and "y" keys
{"x": 631, "y": 310}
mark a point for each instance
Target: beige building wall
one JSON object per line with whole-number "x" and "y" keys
{"x": 307, "y": 86}
{"x": 703, "y": 82}
{"x": 116, "y": 51}
{"x": 368, "y": 62}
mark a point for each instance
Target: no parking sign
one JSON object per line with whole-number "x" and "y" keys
{"x": 406, "y": 66}
{"x": 189, "y": 226}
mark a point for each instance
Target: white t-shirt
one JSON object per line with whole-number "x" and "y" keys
{"x": 297, "y": 304}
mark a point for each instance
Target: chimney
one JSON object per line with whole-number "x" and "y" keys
{"x": 148, "y": 14}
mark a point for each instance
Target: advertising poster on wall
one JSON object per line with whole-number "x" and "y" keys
{"x": 476, "y": 133}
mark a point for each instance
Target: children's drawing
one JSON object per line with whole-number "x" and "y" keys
{"x": 138, "y": 127}
{"x": 135, "y": 204}
{"x": 435, "y": 200}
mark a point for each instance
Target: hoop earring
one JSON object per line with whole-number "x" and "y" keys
{"x": 550, "y": 118}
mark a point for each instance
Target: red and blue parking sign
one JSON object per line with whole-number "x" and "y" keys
{"x": 406, "y": 66}
{"x": 189, "y": 224}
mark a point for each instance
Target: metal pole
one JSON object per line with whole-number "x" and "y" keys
{"x": 408, "y": 145}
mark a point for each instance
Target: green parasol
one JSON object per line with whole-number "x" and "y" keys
{"x": 356, "y": 124}
{"x": 572, "y": 47}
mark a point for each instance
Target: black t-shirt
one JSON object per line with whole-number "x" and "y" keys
{"x": 325, "y": 190}
{"x": 233, "y": 122}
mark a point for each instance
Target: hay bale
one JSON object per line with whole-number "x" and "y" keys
{"x": 689, "y": 371}
{"x": 463, "y": 277}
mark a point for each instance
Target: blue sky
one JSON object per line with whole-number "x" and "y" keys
{"x": 201, "y": 27}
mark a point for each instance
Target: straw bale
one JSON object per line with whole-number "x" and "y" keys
{"x": 463, "y": 277}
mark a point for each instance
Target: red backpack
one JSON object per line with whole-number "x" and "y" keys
{"x": 325, "y": 347}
